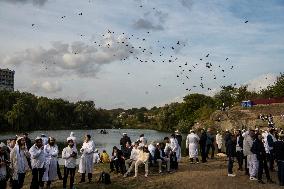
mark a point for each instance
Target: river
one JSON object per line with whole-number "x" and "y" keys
{"x": 102, "y": 141}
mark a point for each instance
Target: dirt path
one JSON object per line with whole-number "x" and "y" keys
{"x": 211, "y": 175}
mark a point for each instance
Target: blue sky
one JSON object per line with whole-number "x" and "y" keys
{"x": 57, "y": 57}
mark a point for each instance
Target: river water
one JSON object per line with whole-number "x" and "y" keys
{"x": 102, "y": 141}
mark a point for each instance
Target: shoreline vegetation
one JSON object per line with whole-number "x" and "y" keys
{"x": 21, "y": 111}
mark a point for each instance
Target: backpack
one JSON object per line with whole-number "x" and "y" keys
{"x": 104, "y": 178}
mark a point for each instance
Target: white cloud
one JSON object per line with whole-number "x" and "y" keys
{"x": 45, "y": 87}
{"x": 76, "y": 58}
{"x": 261, "y": 82}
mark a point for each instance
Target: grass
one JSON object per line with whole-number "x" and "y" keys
{"x": 194, "y": 176}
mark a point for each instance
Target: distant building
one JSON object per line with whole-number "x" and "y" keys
{"x": 7, "y": 79}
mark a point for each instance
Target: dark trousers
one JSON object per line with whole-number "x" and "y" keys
{"x": 17, "y": 184}
{"x": 219, "y": 150}
{"x": 240, "y": 158}
{"x": 173, "y": 161}
{"x": 83, "y": 175}
{"x": 230, "y": 165}
{"x": 37, "y": 178}
{"x": 280, "y": 165}
{"x": 263, "y": 165}
{"x": 270, "y": 159}
{"x": 203, "y": 152}
{"x": 118, "y": 165}
{"x": 68, "y": 171}
{"x": 208, "y": 146}
{"x": 3, "y": 184}
{"x": 58, "y": 171}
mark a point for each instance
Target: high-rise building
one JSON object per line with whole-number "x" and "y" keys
{"x": 7, "y": 79}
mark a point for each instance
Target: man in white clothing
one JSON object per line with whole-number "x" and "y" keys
{"x": 69, "y": 154}
{"x": 86, "y": 161}
{"x": 51, "y": 152}
{"x": 132, "y": 160}
{"x": 192, "y": 142}
{"x": 219, "y": 141}
{"x": 252, "y": 162}
{"x": 37, "y": 162}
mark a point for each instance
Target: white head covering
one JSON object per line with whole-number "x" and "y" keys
{"x": 38, "y": 138}
{"x": 69, "y": 138}
{"x": 2, "y": 145}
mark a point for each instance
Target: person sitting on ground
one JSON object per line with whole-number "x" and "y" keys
{"x": 132, "y": 160}
{"x": 143, "y": 140}
{"x": 126, "y": 152}
{"x": 143, "y": 158}
{"x": 152, "y": 148}
{"x": 124, "y": 140}
{"x": 117, "y": 161}
{"x": 104, "y": 157}
{"x": 161, "y": 157}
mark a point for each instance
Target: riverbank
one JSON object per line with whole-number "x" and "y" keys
{"x": 211, "y": 175}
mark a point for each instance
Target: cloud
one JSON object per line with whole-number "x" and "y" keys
{"x": 187, "y": 3}
{"x": 261, "y": 82}
{"x": 34, "y": 2}
{"x": 76, "y": 58}
{"x": 151, "y": 21}
{"x": 45, "y": 87}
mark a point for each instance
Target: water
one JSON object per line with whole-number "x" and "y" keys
{"x": 102, "y": 141}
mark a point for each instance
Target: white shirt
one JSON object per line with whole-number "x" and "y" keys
{"x": 37, "y": 157}
{"x": 134, "y": 154}
{"x": 70, "y": 162}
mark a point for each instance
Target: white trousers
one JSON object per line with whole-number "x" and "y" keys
{"x": 252, "y": 165}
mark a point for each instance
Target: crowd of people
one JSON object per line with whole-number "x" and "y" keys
{"x": 254, "y": 150}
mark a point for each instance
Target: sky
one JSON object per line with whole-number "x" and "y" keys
{"x": 89, "y": 49}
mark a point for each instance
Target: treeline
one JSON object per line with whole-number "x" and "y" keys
{"x": 24, "y": 111}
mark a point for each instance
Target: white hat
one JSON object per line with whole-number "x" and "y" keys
{"x": 124, "y": 133}
{"x": 2, "y": 145}
{"x": 177, "y": 131}
{"x": 69, "y": 138}
{"x": 38, "y": 138}
{"x": 191, "y": 131}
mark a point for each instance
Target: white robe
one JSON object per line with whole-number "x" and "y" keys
{"x": 51, "y": 154}
{"x": 192, "y": 145}
{"x": 175, "y": 148}
{"x": 219, "y": 140}
{"x": 86, "y": 161}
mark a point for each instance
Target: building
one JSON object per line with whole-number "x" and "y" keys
{"x": 7, "y": 79}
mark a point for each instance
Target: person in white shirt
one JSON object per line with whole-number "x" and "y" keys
{"x": 37, "y": 162}
{"x": 44, "y": 139}
{"x": 69, "y": 154}
{"x": 192, "y": 142}
{"x": 143, "y": 158}
{"x": 143, "y": 140}
{"x": 19, "y": 163}
{"x": 72, "y": 136}
{"x": 86, "y": 161}
{"x": 176, "y": 152}
{"x": 132, "y": 160}
{"x": 219, "y": 141}
{"x": 51, "y": 154}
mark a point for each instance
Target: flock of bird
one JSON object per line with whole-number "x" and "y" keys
{"x": 141, "y": 52}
